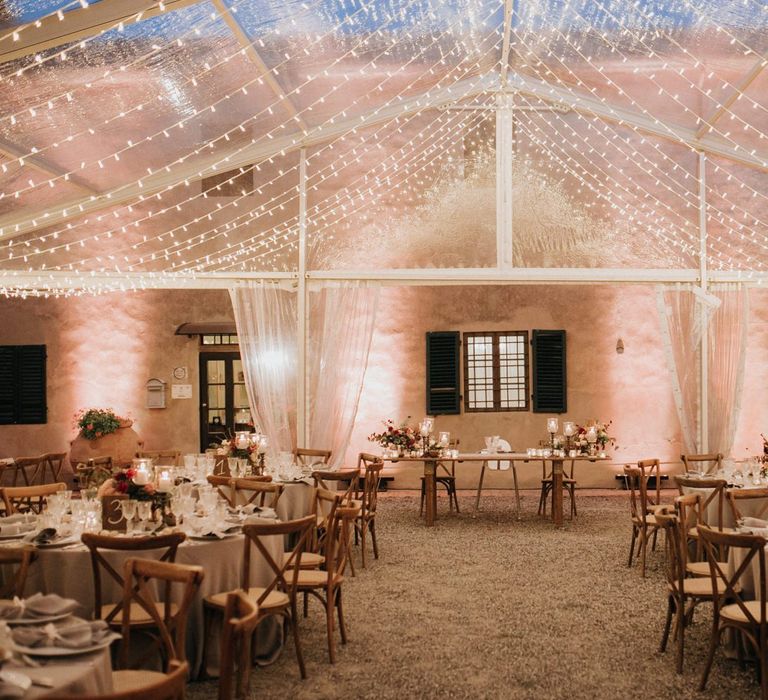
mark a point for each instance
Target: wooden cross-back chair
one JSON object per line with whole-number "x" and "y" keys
{"x": 365, "y": 523}
{"x": 703, "y": 463}
{"x": 22, "y": 499}
{"x": 569, "y": 485}
{"x": 241, "y": 615}
{"x": 304, "y": 456}
{"x": 687, "y": 508}
{"x": 167, "y": 621}
{"x": 732, "y": 609}
{"x": 755, "y": 501}
{"x": 651, "y": 469}
{"x": 21, "y": 558}
{"x": 171, "y": 458}
{"x": 324, "y": 505}
{"x": 103, "y": 570}
{"x": 643, "y": 523}
{"x": 28, "y": 471}
{"x": 227, "y": 486}
{"x": 326, "y": 585}
{"x": 279, "y": 597}
{"x": 54, "y": 463}
{"x": 710, "y": 510}
{"x": 171, "y": 686}
{"x": 255, "y": 490}
{"x": 94, "y": 471}
{"x": 332, "y": 480}
{"x": 683, "y": 594}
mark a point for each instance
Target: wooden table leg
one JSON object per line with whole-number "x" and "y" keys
{"x": 517, "y": 491}
{"x": 557, "y": 492}
{"x": 430, "y": 492}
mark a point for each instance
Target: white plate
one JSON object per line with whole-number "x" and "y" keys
{"x": 61, "y": 651}
{"x": 17, "y": 536}
{"x": 60, "y": 542}
{"x": 36, "y": 620}
{"x": 213, "y": 538}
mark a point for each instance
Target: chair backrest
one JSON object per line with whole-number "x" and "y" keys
{"x": 166, "y": 544}
{"x": 22, "y": 557}
{"x": 336, "y": 546}
{"x": 711, "y": 498}
{"x": 19, "y": 499}
{"x": 172, "y": 686}
{"x": 730, "y": 592}
{"x": 241, "y": 616}
{"x": 637, "y": 482}
{"x": 305, "y": 456}
{"x": 676, "y": 543}
{"x": 324, "y": 478}
{"x": 505, "y": 464}
{"x": 651, "y": 468}
{"x": 286, "y": 569}
{"x": 703, "y": 463}
{"x": 225, "y": 485}
{"x": 54, "y": 462}
{"x": 30, "y": 469}
{"x": 755, "y": 500}
{"x": 324, "y": 505}
{"x": 94, "y": 471}
{"x": 172, "y": 458}
{"x": 372, "y": 467}
{"x": 255, "y": 490}
{"x": 169, "y": 620}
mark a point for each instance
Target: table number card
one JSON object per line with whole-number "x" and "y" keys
{"x": 112, "y": 517}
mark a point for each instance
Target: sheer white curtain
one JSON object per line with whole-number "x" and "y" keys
{"x": 342, "y": 318}
{"x": 265, "y": 314}
{"x": 682, "y": 310}
{"x": 727, "y": 353}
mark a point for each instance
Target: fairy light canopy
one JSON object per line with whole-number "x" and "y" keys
{"x": 148, "y": 143}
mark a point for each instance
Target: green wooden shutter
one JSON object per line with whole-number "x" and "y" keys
{"x": 443, "y": 394}
{"x": 23, "y": 384}
{"x": 549, "y": 380}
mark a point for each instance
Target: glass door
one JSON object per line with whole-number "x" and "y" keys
{"x": 223, "y": 398}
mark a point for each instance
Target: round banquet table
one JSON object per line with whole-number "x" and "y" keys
{"x": 88, "y": 674}
{"x": 296, "y": 501}
{"x": 67, "y": 572}
{"x": 751, "y": 507}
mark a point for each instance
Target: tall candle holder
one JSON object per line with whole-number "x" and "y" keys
{"x": 552, "y": 427}
{"x": 569, "y": 430}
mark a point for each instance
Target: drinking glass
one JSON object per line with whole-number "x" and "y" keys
{"x": 128, "y": 506}
{"x": 144, "y": 513}
{"x": 208, "y": 499}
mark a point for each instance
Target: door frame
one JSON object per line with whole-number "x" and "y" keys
{"x": 229, "y": 398}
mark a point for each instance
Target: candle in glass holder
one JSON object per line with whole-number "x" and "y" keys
{"x": 425, "y": 427}
{"x": 552, "y": 425}
{"x": 569, "y": 428}
{"x": 165, "y": 482}
{"x": 141, "y": 475}
{"x": 444, "y": 438}
{"x": 262, "y": 446}
{"x": 242, "y": 438}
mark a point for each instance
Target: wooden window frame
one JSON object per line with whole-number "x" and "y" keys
{"x": 496, "y": 370}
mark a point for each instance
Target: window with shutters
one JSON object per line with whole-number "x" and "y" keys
{"x": 443, "y": 395}
{"x": 496, "y": 371}
{"x": 550, "y": 393}
{"x": 22, "y": 384}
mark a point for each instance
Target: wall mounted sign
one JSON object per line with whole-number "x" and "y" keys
{"x": 181, "y": 391}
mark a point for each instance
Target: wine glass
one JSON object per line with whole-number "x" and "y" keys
{"x": 144, "y": 513}
{"x": 128, "y": 507}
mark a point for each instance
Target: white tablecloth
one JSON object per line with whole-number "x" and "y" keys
{"x": 90, "y": 674}
{"x": 68, "y": 572}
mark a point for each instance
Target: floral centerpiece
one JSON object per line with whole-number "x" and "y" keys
{"x": 122, "y": 483}
{"x": 603, "y": 437}
{"x": 94, "y": 423}
{"x": 402, "y": 438}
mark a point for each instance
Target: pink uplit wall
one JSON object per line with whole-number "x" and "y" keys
{"x": 102, "y": 350}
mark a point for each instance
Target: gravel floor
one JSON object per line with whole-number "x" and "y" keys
{"x": 483, "y": 606}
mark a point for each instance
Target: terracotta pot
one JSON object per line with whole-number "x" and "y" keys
{"x": 121, "y": 445}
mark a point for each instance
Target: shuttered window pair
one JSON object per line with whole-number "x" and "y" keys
{"x": 22, "y": 384}
{"x": 496, "y": 372}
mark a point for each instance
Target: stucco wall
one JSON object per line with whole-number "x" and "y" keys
{"x": 102, "y": 350}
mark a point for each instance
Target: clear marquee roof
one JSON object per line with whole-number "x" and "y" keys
{"x": 151, "y": 140}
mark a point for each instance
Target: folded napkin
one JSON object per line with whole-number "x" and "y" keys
{"x": 78, "y": 635}
{"x": 755, "y": 523}
{"x": 262, "y": 513}
{"x": 38, "y": 605}
{"x": 19, "y": 518}
{"x": 18, "y": 528}
{"x": 45, "y": 536}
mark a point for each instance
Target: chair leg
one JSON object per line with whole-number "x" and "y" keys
{"x": 329, "y": 627}
{"x": 713, "y": 641}
{"x": 423, "y": 496}
{"x": 455, "y": 496}
{"x": 363, "y": 531}
{"x": 340, "y": 611}
{"x": 680, "y": 633}
{"x": 294, "y": 622}
{"x": 667, "y": 625}
{"x": 643, "y": 548}
{"x": 572, "y": 489}
{"x": 632, "y": 544}
{"x": 373, "y": 539}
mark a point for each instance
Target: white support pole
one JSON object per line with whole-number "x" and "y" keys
{"x": 704, "y": 282}
{"x": 302, "y": 321}
{"x": 504, "y": 160}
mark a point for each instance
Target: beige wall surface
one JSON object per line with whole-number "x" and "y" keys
{"x": 103, "y": 349}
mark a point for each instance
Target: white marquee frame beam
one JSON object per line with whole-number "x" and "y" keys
{"x": 27, "y": 222}
{"x": 80, "y": 23}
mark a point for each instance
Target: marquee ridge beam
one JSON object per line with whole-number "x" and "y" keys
{"x": 245, "y": 156}
{"x": 80, "y": 23}
{"x": 508, "y": 9}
